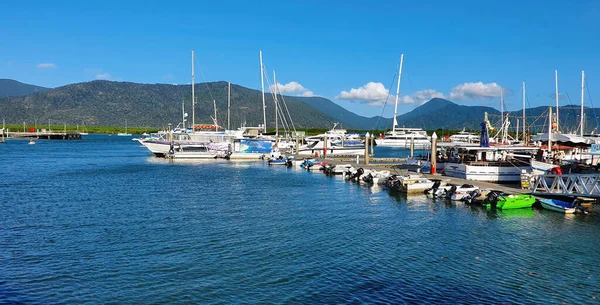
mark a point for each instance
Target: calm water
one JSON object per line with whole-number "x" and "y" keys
{"x": 100, "y": 221}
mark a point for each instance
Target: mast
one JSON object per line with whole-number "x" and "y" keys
{"x": 502, "y": 114}
{"x": 582, "y": 94}
{"x": 193, "y": 97}
{"x": 549, "y": 131}
{"x": 275, "y": 99}
{"x": 228, "y": 104}
{"x": 182, "y": 112}
{"x": 262, "y": 89}
{"x": 524, "y": 119}
{"x": 556, "y": 95}
{"x": 397, "y": 93}
{"x": 215, "y": 119}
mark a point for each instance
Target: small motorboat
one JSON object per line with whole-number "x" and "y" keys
{"x": 459, "y": 192}
{"x": 478, "y": 196}
{"x": 354, "y": 175}
{"x": 411, "y": 184}
{"x": 505, "y": 202}
{"x": 280, "y": 161}
{"x": 338, "y": 169}
{"x": 375, "y": 177}
{"x": 561, "y": 206}
{"x": 31, "y": 142}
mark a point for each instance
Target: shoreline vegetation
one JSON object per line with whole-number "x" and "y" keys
{"x": 140, "y": 130}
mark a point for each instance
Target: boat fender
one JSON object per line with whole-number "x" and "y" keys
{"x": 556, "y": 171}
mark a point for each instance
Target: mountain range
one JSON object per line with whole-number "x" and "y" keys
{"x": 110, "y": 103}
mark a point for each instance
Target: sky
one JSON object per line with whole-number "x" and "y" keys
{"x": 347, "y": 51}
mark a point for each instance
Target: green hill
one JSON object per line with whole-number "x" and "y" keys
{"x": 346, "y": 118}
{"x": 10, "y": 87}
{"x": 107, "y": 103}
{"x": 152, "y": 105}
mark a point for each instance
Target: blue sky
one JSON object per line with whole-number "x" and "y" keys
{"x": 466, "y": 51}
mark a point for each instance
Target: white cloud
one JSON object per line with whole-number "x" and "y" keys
{"x": 374, "y": 94}
{"x": 420, "y": 97}
{"x": 292, "y": 87}
{"x": 103, "y": 76}
{"x": 474, "y": 91}
{"x": 47, "y": 65}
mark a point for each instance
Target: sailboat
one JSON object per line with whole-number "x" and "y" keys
{"x": 400, "y": 136}
{"x": 124, "y": 134}
{"x": 84, "y": 133}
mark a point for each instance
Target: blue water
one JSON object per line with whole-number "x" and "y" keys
{"x": 100, "y": 221}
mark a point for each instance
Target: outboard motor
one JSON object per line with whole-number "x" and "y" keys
{"x": 368, "y": 178}
{"x": 389, "y": 181}
{"x": 471, "y": 196}
{"x": 451, "y": 191}
{"x": 434, "y": 188}
{"x": 357, "y": 174}
{"x": 492, "y": 198}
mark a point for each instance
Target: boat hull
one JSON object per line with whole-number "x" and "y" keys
{"x": 341, "y": 151}
{"x": 419, "y": 144}
{"x": 485, "y": 173}
{"x": 557, "y": 206}
{"x": 515, "y": 202}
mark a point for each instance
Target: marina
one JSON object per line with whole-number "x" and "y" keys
{"x": 322, "y": 153}
{"x": 296, "y": 236}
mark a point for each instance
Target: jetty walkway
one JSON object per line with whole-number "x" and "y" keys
{"x": 391, "y": 164}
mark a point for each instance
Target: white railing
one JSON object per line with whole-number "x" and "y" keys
{"x": 585, "y": 185}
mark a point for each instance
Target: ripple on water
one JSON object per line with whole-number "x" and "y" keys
{"x": 100, "y": 223}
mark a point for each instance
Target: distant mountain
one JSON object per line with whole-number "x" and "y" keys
{"x": 441, "y": 113}
{"x": 152, "y": 105}
{"x": 156, "y": 105}
{"x": 10, "y": 87}
{"x": 347, "y": 119}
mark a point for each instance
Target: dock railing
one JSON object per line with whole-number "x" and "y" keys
{"x": 572, "y": 185}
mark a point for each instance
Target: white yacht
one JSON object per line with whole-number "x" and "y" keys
{"x": 318, "y": 148}
{"x": 491, "y": 164}
{"x": 403, "y": 137}
{"x": 338, "y": 137}
{"x": 464, "y": 137}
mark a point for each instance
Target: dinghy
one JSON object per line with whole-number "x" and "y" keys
{"x": 559, "y": 206}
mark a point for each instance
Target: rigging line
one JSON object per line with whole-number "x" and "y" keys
{"x": 274, "y": 92}
{"x": 288, "y": 113}
{"x": 570, "y": 108}
{"x": 205, "y": 82}
{"x": 386, "y": 100}
{"x": 283, "y": 115}
{"x": 592, "y": 104}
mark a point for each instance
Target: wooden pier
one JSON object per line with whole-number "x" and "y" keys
{"x": 45, "y": 135}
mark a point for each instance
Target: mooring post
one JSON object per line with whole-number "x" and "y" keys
{"x": 412, "y": 146}
{"x": 367, "y": 148}
{"x": 433, "y": 152}
{"x": 297, "y": 144}
{"x": 325, "y": 146}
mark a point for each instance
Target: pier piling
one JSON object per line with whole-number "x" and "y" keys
{"x": 433, "y": 152}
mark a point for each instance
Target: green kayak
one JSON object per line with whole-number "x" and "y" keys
{"x": 506, "y": 202}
